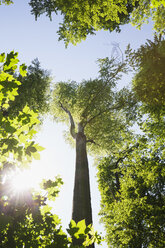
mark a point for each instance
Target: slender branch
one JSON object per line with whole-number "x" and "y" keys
{"x": 92, "y": 142}
{"x": 72, "y": 125}
{"x": 100, "y": 113}
{"x": 126, "y": 152}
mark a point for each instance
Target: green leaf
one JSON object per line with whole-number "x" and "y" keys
{"x": 2, "y": 57}
{"x": 22, "y": 70}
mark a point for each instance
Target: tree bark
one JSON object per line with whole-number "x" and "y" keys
{"x": 81, "y": 196}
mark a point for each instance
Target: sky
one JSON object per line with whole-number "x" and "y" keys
{"x": 21, "y": 33}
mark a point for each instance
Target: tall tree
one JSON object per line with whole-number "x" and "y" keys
{"x": 94, "y": 111}
{"x": 25, "y": 218}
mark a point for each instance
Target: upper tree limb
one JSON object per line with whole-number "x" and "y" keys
{"x": 72, "y": 125}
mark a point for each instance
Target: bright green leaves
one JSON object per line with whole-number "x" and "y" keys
{"x": 157, "y": 3}
{"x": 150, "y": 9}
{"x": 52, "y": 187}
{"x": 8, "y": 82}
{"x": 16, "y": 133}
{"x": 11, "y": 62}
{"x": 7, "y": 2}
{"x": 22, "y": 70}
{"x": 86, "y": 234}
{"x": 149, "y": 83}
{"x": 2, "y": 57}
{"x": 81, "y": 18}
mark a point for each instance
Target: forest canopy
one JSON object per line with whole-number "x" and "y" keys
{"x": 81, "y": 18}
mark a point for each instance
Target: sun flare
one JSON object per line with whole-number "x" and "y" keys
{"x": 25, "y": 180}
{"x": 21, "y": 182}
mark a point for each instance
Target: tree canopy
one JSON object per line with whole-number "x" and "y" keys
{"x": 149, "y": 80}
{"x": 33, "y": 91}
{"x": 131, "y": 183}
{"x": 81, "y": 18}
{"x": 150, "y": 9}
{"x": 95, "y": 105}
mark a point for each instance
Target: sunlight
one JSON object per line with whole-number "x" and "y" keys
{"x": 26, "y": 179}
{"x": 23, "y": 180}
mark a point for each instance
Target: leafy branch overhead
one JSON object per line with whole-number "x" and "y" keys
{"x": 81, "y": 18}
{"x": 84, "y": 17}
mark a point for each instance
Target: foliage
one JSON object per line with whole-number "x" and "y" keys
{"x": 96, "y": 105}
{"x": 149, "y": 84}
{"x": 149, "y": 80}
{"x": 131, "y": 180}
{"x": 81, "y": 18}
{"x": 34, "y": 90}
{"x": 131, "y": 183}
{"x": 16, "y": 133}
{"x": 146, "y": 9}
{"x": 27, "y": 221}
{"x": 7, "y": 2}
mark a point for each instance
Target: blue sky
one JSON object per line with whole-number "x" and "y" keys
{"x": 31, "y": 39}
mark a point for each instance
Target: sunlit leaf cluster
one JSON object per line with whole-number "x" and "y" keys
{"x": 16, "y": 133}
{"x": 149, "y": 81}
{"x": 146, "y": 9}
{"x": 81, "y": 18}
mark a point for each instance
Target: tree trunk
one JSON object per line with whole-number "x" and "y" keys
{"x": 81, "y": 197}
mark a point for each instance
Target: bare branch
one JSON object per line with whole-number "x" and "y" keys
{"x": 72, "y": 125}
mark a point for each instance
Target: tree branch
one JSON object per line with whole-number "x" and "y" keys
{"x": 72, "y": 125}
{"x": 100, "y": 113}
{"x": 92, "y": 142}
